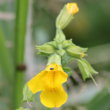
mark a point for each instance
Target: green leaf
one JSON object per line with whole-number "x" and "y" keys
{"x": 27, "y": 94}
{"x": 101, "y": 101}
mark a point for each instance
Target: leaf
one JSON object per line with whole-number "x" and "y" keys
{"x": 101, "y": 101}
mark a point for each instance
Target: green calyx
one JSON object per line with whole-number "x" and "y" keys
{"x": 27, "y": 94}
{"x": 76, "y": 51}
{"x": 86, "y": 69}
{"x": 46, "y": 49}
{"x": 60, "y": 37}
{"x": 63, "y": 19}
{"x": 67, "y": 43}
{"x": 54, "y": 59}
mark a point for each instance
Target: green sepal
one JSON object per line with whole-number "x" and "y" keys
{"x": 67, "y": 43}
{"x": 60, "y": 37}
{"x": 86, "y": 69}
{"x": 27, "y": 94}
{"x": 76, "y": 51}
{"x": 54, "y": 59}
{"x": 92, "y": 70}
{"x": 43, "y": 54}
{"x": 66, "y": 59}
{"x": 21, "y": 108}
{"x": 60, "y": 52}
{"x": 52, "y": 43}
{"x": 68, "y": 70}
{"x": 45, "y": 48}
{"x": 63, "y": 19}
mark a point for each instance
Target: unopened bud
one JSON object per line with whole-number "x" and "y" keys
{"x": 46, "y": 48}
{"x": 66, "y": 15}
{"x": 76, "y": 51}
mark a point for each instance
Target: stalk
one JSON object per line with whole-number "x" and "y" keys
{"x": 20, "y": 34}
{"x": 5, "y": 58}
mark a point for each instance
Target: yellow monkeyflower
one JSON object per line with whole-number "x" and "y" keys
{"x": 72, "y": 8}
{"x": 50, "y": 81}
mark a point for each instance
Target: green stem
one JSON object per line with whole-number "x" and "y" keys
{"x": 5, "y": 58}
{"x": 20, "y": 33}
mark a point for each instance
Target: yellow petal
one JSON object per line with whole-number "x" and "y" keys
{"x": 36, "y": 84}
{"x": 54, "y": 97}
{"x": 55, "y": 76}
{"x": 51, "y": 77}
{"x": 72, "y": 8}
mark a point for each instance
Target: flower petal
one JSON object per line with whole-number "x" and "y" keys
{"x": 54, "y": 97}
{"x": 36, "y": 84}
{"x": 60, "y": 77}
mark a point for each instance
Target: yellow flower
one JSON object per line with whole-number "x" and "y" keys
{"x": 72, "y": 8}
{"x": 50, "y": 81}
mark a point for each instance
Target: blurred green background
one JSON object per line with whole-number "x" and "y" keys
{"x": 25, "y": 23}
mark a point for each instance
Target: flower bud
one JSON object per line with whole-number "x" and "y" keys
{"x": 54, "y": 59}
{"x": 66, "y": 15}
{"x": 86, "y": 69}
{"x": 46, "y": 49}
{"x": 76, "y": 51}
